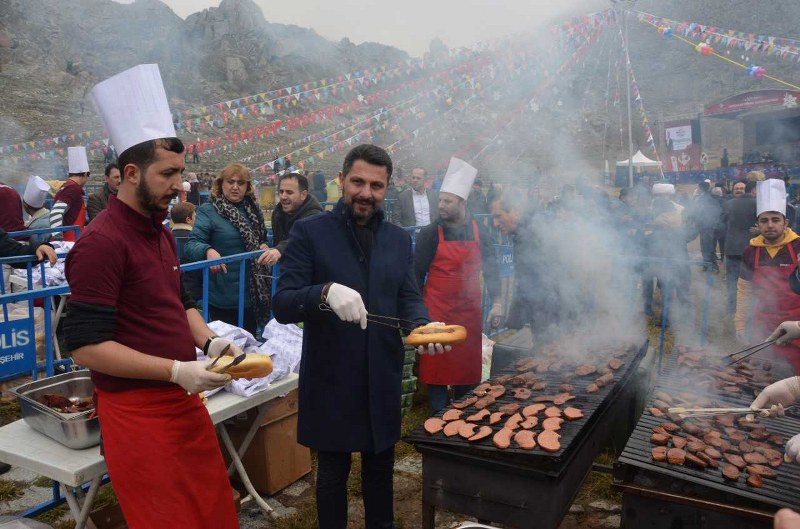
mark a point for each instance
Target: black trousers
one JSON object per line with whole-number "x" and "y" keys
{"x": 376, "y": 488}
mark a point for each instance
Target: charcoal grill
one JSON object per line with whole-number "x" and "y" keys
{"x": 522, "y": 488}
{"x": 663, "y": 496}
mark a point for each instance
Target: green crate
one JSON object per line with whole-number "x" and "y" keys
{"x": 408, "y": 371}
{"x": 409, "y": 385}
{"x": 406, "y": 400}
{"x": 410, "y": 356}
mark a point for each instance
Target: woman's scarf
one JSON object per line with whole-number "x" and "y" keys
{"x": 253, "y": 232}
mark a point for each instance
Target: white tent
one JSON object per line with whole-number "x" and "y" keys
{"x": 640, "y": 161}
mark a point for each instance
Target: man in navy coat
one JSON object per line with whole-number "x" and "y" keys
{"x": 351, "y": 262}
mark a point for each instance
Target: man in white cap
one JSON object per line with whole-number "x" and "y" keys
{"x": 132, "y": 323}
{"x": 451, "y": 252}
{"x": 69, "y": 208}
{"x": 767, "y": 264}
{"x": 36, "y": 192}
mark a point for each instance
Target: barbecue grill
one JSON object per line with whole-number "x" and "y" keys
{"x": 524, "y": 488}
{"x": 663, "y": 496}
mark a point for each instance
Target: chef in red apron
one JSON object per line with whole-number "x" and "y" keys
{"x": 449, "y": 256}
{"x": 69, "y": 208}
{"x": 131, "y": 322}
{"x": 767, "y": 265}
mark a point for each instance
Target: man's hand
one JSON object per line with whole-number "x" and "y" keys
{"x": 783, "y": 392}
{"x": 211, "y": 253}
{"x": 433, "y": 348}
{"x": 496, "y": 315}
{"x": 347, "y": 304}
{"x": 786, "y": 519}
{"x": 788, "y": 332}
{"x": 216, "y": 345}
{"x": 194, "y": 377}
{"x": 269, "y": 257}
{"x": 45, "y": 251}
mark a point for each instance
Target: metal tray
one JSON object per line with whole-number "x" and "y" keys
{"x": 73, "y": 430}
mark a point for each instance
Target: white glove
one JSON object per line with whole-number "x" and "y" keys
{"x": 215, "y": 346}
{"x": 781, "y": 393}
{"x": 194, "y": 377}
{"x": 792, "y": 452}
{"x": 788, "y": 332}
{"x": 496, "y": 315}
{"x": 786, "y": 519}
{"x": 433, "y": 348}
{"x": 347, "y": 304}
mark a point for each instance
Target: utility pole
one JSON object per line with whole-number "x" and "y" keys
{"x": 628, "y": 89}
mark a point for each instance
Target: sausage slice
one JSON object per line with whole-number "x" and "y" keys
{"x": 479, "y": 415}
{"x": 572, "y": 413}
{"x": 591, "y": 388}
{"x": 552, "y": 411}
{"x": 659, "y": 453}
{"x": 678, "y": 441}
{"x": 754, "y": 458}
{"x": 482, "y": 389}
{"x": 755, "y": 480}
{"x": 735, "y": 460}
{"x": 529, "y": 423}
{"x": 549, "y": 442}
{"x": 467, "y": 429}
{"x": 552, "y": 423}
{"x": 509, "y": 408}
{"x": 484, "y": 402}
{"x": 497, "y": 391}
{"x": 483, "y": 432}
{"x": 525, "y": 439}
{"x": 513, "y": 422}
{"x": 763, "y": 470}
{"x": 452, "y": 415}
{"x": 660, "y": 439}
{"x": 469, "y": 401}
{"x": 521, "y": 393}
{"x": 451, "y": 428}
{"x": 533, "y": 409}
{"x": 695, "y": 461}
{"x": 496, "y": 417}
{"x": 434, "y": 425}
{"x": 676, "y": 456}
{"x": 730, "y": 472}
{"x": 502, "y": 439}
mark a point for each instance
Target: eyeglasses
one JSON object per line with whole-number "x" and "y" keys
{"x": 240, "y": 183}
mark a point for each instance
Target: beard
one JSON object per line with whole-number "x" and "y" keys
{"x": 366, "y": 215}
{"x": 149, "y": 200}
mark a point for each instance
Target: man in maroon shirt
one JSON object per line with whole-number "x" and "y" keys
{"x": 10, "y": 209}
{"x": 133, "y": 324}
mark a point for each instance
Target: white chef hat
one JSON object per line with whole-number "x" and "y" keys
{"x": 187, "y": 186}
{"x": 134, "y": 107}
{"x": 78, "y": 163}
{"x": 663, "y": 189}
{"x": 771, "y": 196}
{"x": 36, "y": 191}
{"x": 458, "y": 179}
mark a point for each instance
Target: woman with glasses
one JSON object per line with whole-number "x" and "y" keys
{"x": 232, "y": 222}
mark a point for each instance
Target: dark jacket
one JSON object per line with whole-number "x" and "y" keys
{"x": 320, "y": 192}
{"x": 404, "y": 209}
{"x": 349, "y": 378}
{"x": 525, "y": 302}
{"x": 282, "y": 222}
{"x": 739, "y": 215}
{"x": 192, "y": 280}
{"x": 11, "y": 248}
{"x": 97, "y": 202}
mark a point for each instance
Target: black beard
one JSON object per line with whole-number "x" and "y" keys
{"x": 148, "y": 199}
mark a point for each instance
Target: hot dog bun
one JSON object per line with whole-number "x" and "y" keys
{"x": 434, "y": 333}
{"x": 253, "y": 366}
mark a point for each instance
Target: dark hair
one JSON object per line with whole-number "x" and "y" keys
{"x": 302, "y": 181}
{"x": 749, "y": 186}
{"x": 109, "y": 167}
{"x": 181, "y": 211}
{"x": 371, "y": 154}
{"x": 142, "y": 154}
{"x": 625, "y": 191}
{"x": 704, "y": 186}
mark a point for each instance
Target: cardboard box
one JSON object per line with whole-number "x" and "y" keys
{"x": 108, "y": 517}
{"x": 277, "y": 408}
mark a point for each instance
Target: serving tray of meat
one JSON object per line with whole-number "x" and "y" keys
{"x": 538, "y": 405}
{"x": 60, "y": 407}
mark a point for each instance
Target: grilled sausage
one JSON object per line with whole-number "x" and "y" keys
{"x": 468, "y": 401}
{"x": 659, "y": 453}
{"x": 529, "y": 423}
{"x": 566, "y": 388}
{"x": 483, "y": 432}
{"x": 755, "y": 480}
{"x": 592, "y": 388}
{"x": 552, "y": 423}
{"x": 497, "y": 391}
{"x": 525, "y": 439}
{"x": 693, "y": 460}
{"x": 695, "y": 446}
{"x": 521, "y": 393}
{"x": 730, "y": 472}
{"x": 434, "y": 425}
{"x": 615, "y": 363}
{"x": 482, "y": 390}
{"x": 479, "y": 415}
{"x": 513, "y": 422}
{"x": 572, "y": 413}
{"x": 735, "y": 460}
{"x": 584, "y": 370}
{"x": 666, "y": 397}
{"x": 496, "y": 417}
{"x": 659, "y": 429}
{"x": 604, "y": 380}
{"x": 539, "y": 386}
{"x": 452, "y": 415}
{"x": 509, "y": 408}
{"x": 676, "y": 456}
{"x": 562, "y": 398}
{"x": 712, "y": 452}
{"x": 552, "y": 411}
{"x": 451, "y": 428}
{"x": 754, "y": 458}
{"x": 745, "y": 447}
{"x": 671, "y": 427}
{"x": 549, "y": 442}
{"x": 502, "y": 439}
{"x": 533, "y": 409}
{"x": 467, "y": 430}
{"x": 764, "y": 471}
{"x": 713, "y": 463}
{"x": 483, "y": 402}
{"x": 659, "y": 439}
{"x": 678, "y": 442}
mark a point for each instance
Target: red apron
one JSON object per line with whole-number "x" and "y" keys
{"x": 453, "y": 295}
{"x": 80, "y": 220}
{"x": 776, "y": 303}
{"x": 164, "y": 459}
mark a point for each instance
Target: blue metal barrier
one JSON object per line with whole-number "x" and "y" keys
{"x": 46, "y": 231}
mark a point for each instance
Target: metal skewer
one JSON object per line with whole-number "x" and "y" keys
{"x": 704, "y": 412}
{"x": 753, "y": 350}
{"x": 399, "y": 323}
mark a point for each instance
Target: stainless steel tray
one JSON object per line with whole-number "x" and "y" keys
{"x": 74, "y": 430}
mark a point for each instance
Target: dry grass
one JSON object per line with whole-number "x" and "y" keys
{"x": 9, "y": 412}
{"x": 304, "y": 518}
{"x": 10, "y": 490}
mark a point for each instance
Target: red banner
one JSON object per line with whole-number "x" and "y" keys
{"x": 753, "y": 100}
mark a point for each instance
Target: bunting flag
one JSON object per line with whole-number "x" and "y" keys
{"x": 781, "y": 47}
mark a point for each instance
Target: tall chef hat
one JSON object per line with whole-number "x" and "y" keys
{"x": 663, "y": 189}
{"x": 77, "y": 160}
{"x": 458, "y": 179}
{"x": 36, "y": 191}
{"x": 133, "y": 106}
{"x": 771, "y": 196}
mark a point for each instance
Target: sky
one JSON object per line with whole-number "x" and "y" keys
{"x": 409, "y": 24}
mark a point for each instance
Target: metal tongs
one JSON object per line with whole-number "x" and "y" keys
{"x": 389, "y": 321}
{"x": 236, "y": 361}
{"x": 684, "y": 413}
{"x": 753, "y": 349}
